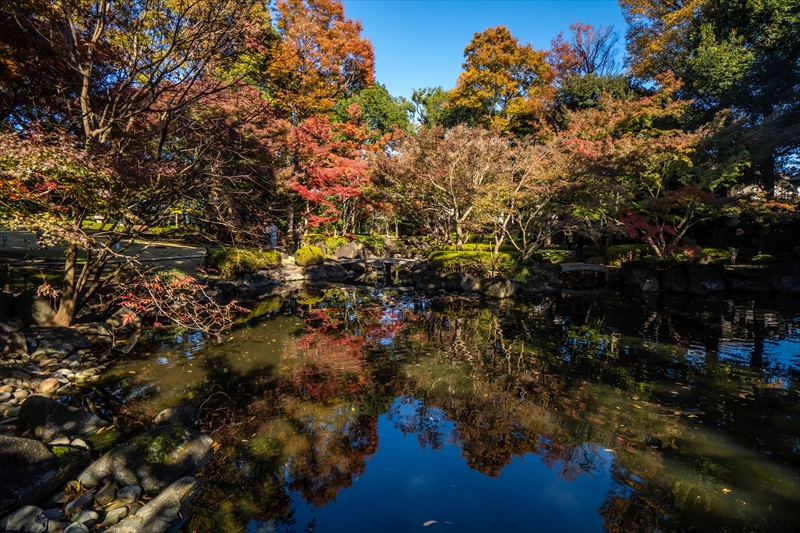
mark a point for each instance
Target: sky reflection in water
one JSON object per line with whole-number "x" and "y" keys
{"x": 375, "y": 411}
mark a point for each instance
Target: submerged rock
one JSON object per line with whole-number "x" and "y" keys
{"x": 48, "y": 419}
{"x": 153, "y": 460}
{"x": 181, "y": 415}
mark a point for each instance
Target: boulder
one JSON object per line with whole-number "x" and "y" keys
{"x": 152, "y": 460}
{"x": 471, "y": 283}
{"x": 335, "y": 271}
{"x": 95, "y": 332}
{"x": 704, "y": 279}
{"x": 452, "y": 282}
{"x": 116, "y": 321}
{"x": 48, "y": 419}
{"x": 421, "y": 272}
{"x": 500, "y": 287}
{"x": 647, "y": 280}
{"x": 164, "y": 513}
{"x": 785, "y": 277}
{"x": 181, "y": 415}
{"x": 351, "y": 250}
{"x": 12, "y": 340}
{"x": 673, "y": 280}
{"x": 28, "y": 519}
{"x": 315, "y": 273}
{"x": 29, "y": 470}
{"x": 58, "y": 342}
{"x": 748, "y": 285}
{"x": 6, "y": 305}
{"x": 34, "y": 310}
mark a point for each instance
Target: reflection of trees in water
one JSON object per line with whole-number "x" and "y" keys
{"x": 560, "y": 379}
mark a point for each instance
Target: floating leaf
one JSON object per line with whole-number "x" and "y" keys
{"x": 429, "y": 522}
{"x": 726, "y": 491}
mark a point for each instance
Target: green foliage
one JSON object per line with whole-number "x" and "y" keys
{"x": 716, "y": 255}
{"x": 527, "y": 276}
{"x": 309, "y": 256}
{"x": 373, "y": 243}
{"x": 475, "y": 247}
{"x": 556, "y": 255}
{"x": 233, "y": 260}
{"x": 466, "y": 262}
{"x": 625, "y": 252}
{"x": 331, "y": 243}
{"x": 379, "y": 109}
{"x": 762, "y": 259}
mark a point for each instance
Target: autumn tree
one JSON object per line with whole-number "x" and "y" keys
{"x": 321, "y": 58}
{"x": 589, "y": 51}
{"x": 504, "y": 84}
{"x": 441, "y": 176}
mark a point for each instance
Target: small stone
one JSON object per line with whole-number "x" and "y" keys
{"x": 78, "y": 443}
{"x": 55, "y": 526}
{"x": 74, "y": 364}
{"x": 60, "y": 441}
{"x": 86, "y": 516}
{"x": 106, "y": 494}
{"x": 21, "y": 394}
{"x": 83, "y": 502}
{"x": 4, "y": 396}
{"x": 135, "y": 506}
{"x": 130, "y": 494}
{"x": 48, "y": 385}
{"x": 113, "y": 517}
{"x": 7, "y": 388}
{"x": 77, "y": 528}
{"x": 29, "y": 519}
{"x": 54, "y": 514}
{"x": 11, "y": 413}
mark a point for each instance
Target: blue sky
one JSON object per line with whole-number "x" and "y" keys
{"x": 420, "y": 43}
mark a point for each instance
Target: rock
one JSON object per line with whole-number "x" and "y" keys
{"x": 129, "y": 494}
{"x": 351, "y": 250}
{"x": 785, "y": 277}
{"x": 181, "y": 415}
{"x": 54, "y": 514}
{"x": 96, "y": 332}
{"x": 85, "y": 517}
{"x": 58, "y": 342}
{"x": 452, "y": 282}
{"x": 164, "y": 513}
{"x": 500, "y": 287}
{"x": 114, "y": 517}
{"x": 335, "y": 271}
{"x": 315, "y": 273}
{"x": 29, "y": 470}
{"x": 106, "y": 494}
{"x": 704, "y": 279}
{"x": 29, "y": 519}
{"x": 12, "y": 340}
{"x": 471, "y": 283}
{"x": 80, "y": 444}
{"x": 748, "y": 285}
{"x": 84, "y": 501}
{"x": 56, "y": 526}
{"x": 60, "y": 441}
{"x": 6, "y": 305}
{"x": 153, "y": 460}
{"x": 48, "y": 385}
{"x": 673, "y": 280}
{"x": 646, "y": 279}
{"x": 76, "y": 527}
{"x": 48, "y": 419}
{"x": 33, "y": 309}
{"x": 116, "y": 322}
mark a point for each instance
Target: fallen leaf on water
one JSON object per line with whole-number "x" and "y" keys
{"x": 726, "y": 490}
{"x": 429, "y": 522}
{"x": 637, "y": 406}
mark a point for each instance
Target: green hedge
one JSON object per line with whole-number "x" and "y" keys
{"x": 309, "y": 256}
{"x": 622, "y": 252}
{"x": 233, "y": 260}
{"x": 466, "y": 262}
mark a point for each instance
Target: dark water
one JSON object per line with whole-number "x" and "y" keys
{"x": 369, "y": 410}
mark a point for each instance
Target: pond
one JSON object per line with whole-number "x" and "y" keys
{"x": 379, "y": 410}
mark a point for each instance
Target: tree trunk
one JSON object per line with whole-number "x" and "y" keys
{"x": 69, "y": 293}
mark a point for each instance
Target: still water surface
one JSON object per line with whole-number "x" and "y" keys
{"x": 377, "y": 410}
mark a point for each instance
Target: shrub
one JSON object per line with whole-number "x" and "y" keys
{"x": 556, "y": 255}
{"x": 762, "y": 259}
{"x": 233, "y": 260}
{"x": 623, "y": 252}
{"x": 716, "y": 255}
{"x": 466, "y": 262}
{"x": 309, "y": 256}
{"x": 373, "y": 243}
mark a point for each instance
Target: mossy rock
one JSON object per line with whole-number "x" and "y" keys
{"x": 261, "y": 308}
{"x": 466, "y": 262}
{"x": 231, "y": 261}
{"x": 309, "y": 256}
{"x": 309, "y": 297}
